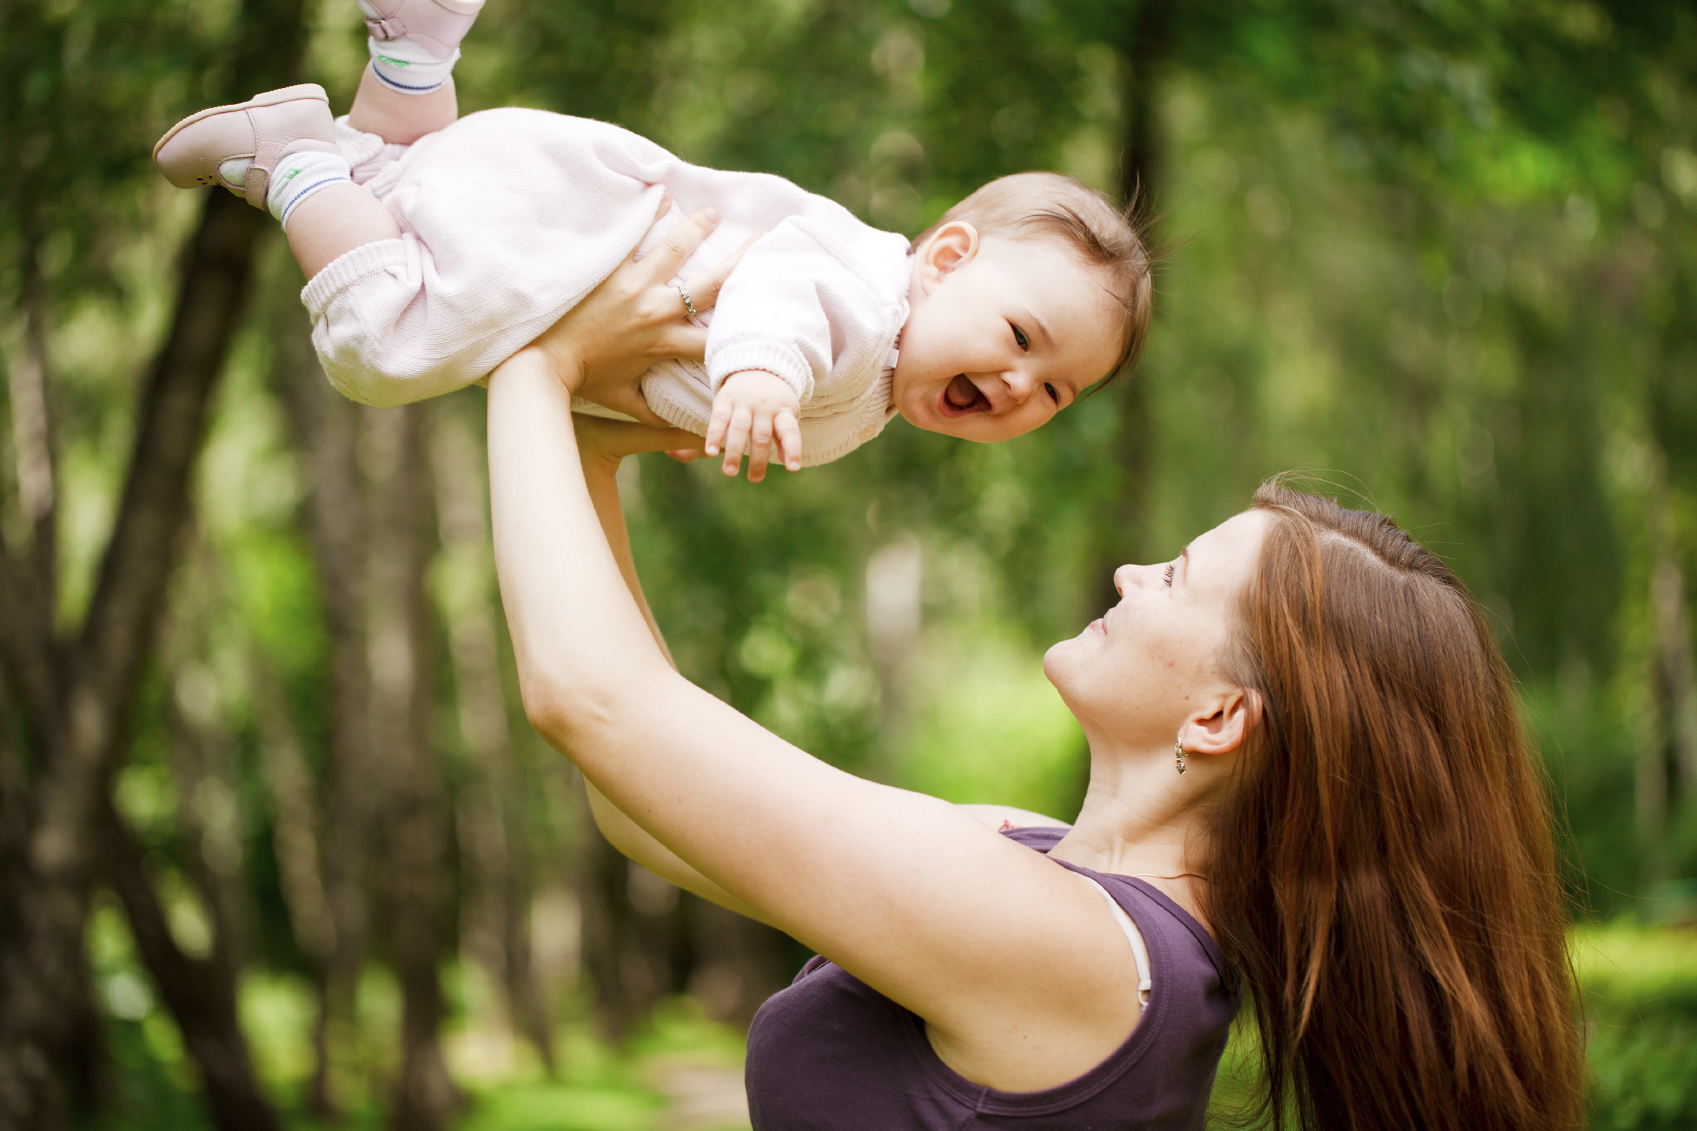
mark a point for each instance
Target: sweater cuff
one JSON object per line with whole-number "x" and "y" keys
{"x": 772, "y": 356}
{"x": 349, "y": 268}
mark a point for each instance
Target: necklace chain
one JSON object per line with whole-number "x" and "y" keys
{"x": 1180, "y": 876}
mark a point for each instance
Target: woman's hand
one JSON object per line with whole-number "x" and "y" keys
{"x": 602, "y": 443}
{"x": 601, "y": 347}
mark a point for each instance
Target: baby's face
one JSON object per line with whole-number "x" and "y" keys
{"x": 1001, "y": 335}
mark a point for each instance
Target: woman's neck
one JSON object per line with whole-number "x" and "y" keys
{"x": 1141, "y": 818}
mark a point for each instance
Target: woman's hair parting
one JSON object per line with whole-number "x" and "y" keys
{"x": 1026, "y": 205}
{"x": 1383, "y": 870}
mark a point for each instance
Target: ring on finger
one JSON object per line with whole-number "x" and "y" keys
{"x": 688, "y": 305}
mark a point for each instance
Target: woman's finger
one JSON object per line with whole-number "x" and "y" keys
{"x": 629, "y": 400}
{"x": 704, "y": 288}
{"x": 621, "y": 438}
{"x": 683, "y": 339}
{"x": 680, "y": 243}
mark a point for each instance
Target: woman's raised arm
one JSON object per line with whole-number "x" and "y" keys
{"x": 899, "y": 888}
{"x": 999, "y": 949}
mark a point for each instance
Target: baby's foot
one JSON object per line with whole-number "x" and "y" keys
{"x": 241, "y": 147}
{"x": 414, "y": 43}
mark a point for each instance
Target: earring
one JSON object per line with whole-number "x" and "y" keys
{"x": 1178, "y": 753}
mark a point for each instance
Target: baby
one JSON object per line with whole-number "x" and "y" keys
{"x": 435, "y": 248}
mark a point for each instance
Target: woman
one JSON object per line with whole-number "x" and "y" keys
{"x": 1303, "y": 744}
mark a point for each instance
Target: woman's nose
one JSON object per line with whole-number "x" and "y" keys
{"x": 1128, "y": 575}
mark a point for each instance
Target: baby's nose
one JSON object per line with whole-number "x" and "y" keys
{"x": 1019, "y": 384}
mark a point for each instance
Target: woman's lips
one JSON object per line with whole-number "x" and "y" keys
{"x": 962, "y": 398}
{"x": 1097, "y": 625}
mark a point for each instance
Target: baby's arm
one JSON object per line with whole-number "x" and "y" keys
{"x": 771, "y": 343}
{"x": 754, "y": 410}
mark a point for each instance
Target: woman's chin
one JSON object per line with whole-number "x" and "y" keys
{"x": 1056, "y": 662}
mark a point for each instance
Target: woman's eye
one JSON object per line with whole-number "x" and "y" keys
{"x": 1168, "y": 575}
{"x": 1053, "y": 395}
{"x": 1019, "y": 336}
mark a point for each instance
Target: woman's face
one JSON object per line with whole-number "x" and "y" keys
{"x": 1152, "y": 662}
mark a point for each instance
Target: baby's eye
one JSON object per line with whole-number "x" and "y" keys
{"x": 1053, "y": 395}
{"x": 1168, "y": 575}
{"x": 1020, "y": 338}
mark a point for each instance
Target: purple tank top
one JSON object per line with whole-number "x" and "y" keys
{"x": 829, "y": 1053}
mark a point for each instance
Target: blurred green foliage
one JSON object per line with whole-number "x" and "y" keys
{"x": 1441, "y": 256}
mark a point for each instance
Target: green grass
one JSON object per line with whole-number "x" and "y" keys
{"x": 1640, "y": 988}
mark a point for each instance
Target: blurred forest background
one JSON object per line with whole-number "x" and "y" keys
{"x": 277, "y": 847}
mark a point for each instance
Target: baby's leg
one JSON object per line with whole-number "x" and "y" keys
{"x": 334, "y": 221}
{"x": 408, "y": 90}
{"x": 401, "y": 119}
{"x": 405, "y": 93}
{"x": 278, "y": 150}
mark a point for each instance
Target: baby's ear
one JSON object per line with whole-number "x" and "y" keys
{"x": 951, "y": 247}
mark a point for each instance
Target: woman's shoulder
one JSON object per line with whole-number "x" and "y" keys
{"x": 1152, "y": 910}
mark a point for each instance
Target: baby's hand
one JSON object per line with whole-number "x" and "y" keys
{"x": 754, "y": 410}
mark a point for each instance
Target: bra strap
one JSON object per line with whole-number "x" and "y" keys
{"x": 1139, "y": 951}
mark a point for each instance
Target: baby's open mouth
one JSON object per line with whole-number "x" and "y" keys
{"x": 961, "y": 397}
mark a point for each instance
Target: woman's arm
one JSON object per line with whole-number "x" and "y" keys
{"x": 912, "y": 895}
{"x": 1023, "y": 977}
{"x": 602, "y": 444}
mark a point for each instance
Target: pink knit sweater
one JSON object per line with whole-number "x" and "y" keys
{"x": 510, "y": 217}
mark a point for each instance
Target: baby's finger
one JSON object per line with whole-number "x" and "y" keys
{"x": 680, "y": 243}
{"x": 736, "y": 441}
{"x": 716, "y": 426}
{"x": 789, "y": 439}
{"x": 704, "y": 288}
{"x": 760, "y": 451}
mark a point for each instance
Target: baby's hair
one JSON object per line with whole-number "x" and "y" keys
{"x": 1101, "y": 233}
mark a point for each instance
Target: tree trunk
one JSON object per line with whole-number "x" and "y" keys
{"x": 490, "y": 811}
{"x": 638, "y": 942}
{"x": 327, "y": 430}
{"x": 1674, "y": 683}
{"x": 295, "y": 819}
{"x": 200, "y": 993}
{"x": 416, "y": 870}
{"x": 738, "y": 962}
{"x": 78, "y": 696}
{"x": 83, "y": 694}
{"x": 1124, "y": 532}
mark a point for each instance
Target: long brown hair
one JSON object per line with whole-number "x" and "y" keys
{"x": 1384, "y": 870}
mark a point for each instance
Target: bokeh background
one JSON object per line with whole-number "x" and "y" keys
{"x": 277, "y": 847}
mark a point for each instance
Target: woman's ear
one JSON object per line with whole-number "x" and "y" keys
{"x": 1237, "y": 712}
{"x": 949, "y": 249}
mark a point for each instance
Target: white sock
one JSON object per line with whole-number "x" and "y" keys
{"x": 299, "y": 175}
{"x": 400, "y": 64}
{"x": 406, "y": 66}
